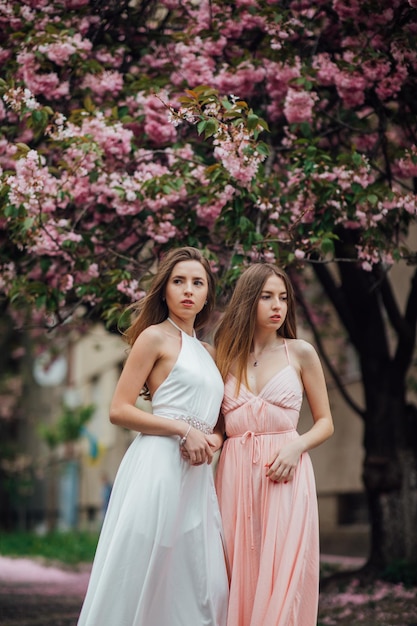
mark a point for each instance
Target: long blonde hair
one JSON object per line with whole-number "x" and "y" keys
{"x": 152, "y": 309}
{"x": 234, "y": 335}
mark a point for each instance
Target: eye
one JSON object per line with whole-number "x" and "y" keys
{"x": 265, "y": 296}
{"x": 199, "y": 282}
{"x": 177, "y": 281}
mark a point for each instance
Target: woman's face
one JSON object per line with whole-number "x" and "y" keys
{"x": 272, "y": 304}
{"x": 187, "y": 288}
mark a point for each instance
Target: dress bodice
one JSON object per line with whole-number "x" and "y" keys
{"x": 275, "y": 408}
{"x": 193, "y": 388}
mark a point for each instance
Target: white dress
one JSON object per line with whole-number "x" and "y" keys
{"x": 160, "y": 558}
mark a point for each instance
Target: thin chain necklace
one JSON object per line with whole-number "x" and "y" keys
{"x": 256, "y": 361}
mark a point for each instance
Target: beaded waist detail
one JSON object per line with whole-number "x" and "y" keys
{"x": 195, "y": 423}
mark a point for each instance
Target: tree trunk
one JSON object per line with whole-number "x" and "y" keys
{"x": 385, "y": 341}
{"x": 390, "y": 479}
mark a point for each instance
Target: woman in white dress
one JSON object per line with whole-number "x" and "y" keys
{"x": 160, "y": 558}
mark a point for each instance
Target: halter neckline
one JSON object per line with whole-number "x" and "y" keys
{"x": 180, "y": 329}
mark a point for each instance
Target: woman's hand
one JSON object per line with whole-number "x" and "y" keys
{"x": 281, "y": 467}
{"x": 197, "y": 448}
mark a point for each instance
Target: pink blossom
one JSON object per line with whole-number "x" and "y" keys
{"x": 113, "y": 138}
{"x": 2, "y": 111}
{"x": 60, "y": 50}
{"x": 114, "y": 58}
{"x": 33, "y": 178}
{"x": 92, "y": 271}
{"x": 207, "y": 214}
{"x": 159, "y": 133}
{"x": 75, "y": 4}
{"x": 215, "y": 47}
{"x": 157, "y": 125}
{"x": 194, "y": 66}
{"x": 67, "y": 282}
{"x": 131, "y": 289}
{"x": 19, "y": 98}
{"x": 351, "y": 88}
{"x": 375, "y": 69}
{"x": 106, "y": 82}
{"x": 277, "y": 77}
{"x": 325, "y": 68}
{"x": 4, "y": 55}
{"x": 243, "y": 80}
{"x": 71, "y": 236}
{"x": 171, "y": 4}
{"x": 48, "y": 84}
{"x": 162, "y": 231}
{"x": 233, "y": 29}
{"x": 299, "y": 105}
{"x": 346, "y": 11}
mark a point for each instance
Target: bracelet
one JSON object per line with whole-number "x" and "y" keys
{"x": 184, "y": 439}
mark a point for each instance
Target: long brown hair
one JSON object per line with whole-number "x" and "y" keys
{"x": 234, "y": 335}
{"x": 152, "y": 309}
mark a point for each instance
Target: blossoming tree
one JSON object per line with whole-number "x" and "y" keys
{"x": 255, "y": 129}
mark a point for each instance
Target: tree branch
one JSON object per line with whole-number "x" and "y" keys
{"x": 336, "y": 297}
{"x": 391, "y": 305}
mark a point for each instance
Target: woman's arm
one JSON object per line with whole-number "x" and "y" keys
{"x": 315, "y": 388}
{"x": 282, "y": 466}
{"x": 147, "y": 351}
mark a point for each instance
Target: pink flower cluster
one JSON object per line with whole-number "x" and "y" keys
{"x": 60, "y": 48}
{"x": 207, "y": 214}
{"x": 105, "y": 83}
{"x": 157, "y": 118}
{"x": 124, "y": 163}
{"x": 131, "y": 289}
{"x": 48, "y": 84}
{"x": 299, "y": 105}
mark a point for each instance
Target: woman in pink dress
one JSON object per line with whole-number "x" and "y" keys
{"x": 265, "y": 481}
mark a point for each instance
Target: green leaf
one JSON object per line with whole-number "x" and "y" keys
{"x": 253, "y": 121}
{"x": 201, "y": 126}
{"x": 327, "y": 246}
{"x": 263, "y": 148}
{"x": 211, "y": 128}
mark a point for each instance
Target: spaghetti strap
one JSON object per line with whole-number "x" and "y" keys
{"x": 286, "y": 352}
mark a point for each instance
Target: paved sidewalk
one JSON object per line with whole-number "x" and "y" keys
{"x": 35, "y": 594}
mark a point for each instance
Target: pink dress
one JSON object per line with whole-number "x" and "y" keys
{"x": 271, "y": 529}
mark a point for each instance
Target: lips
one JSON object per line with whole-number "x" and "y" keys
{"x": 275, "y": 318}
{"x": 187, "y": 302}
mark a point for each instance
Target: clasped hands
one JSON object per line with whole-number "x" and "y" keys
{"x": 200, "y": 448}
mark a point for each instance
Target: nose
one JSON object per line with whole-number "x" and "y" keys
{"x": 188, "y": 287}
{"x": 276, "y": 303}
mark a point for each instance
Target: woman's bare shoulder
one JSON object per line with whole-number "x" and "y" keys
{"x": 302, "y": 350}
{"x": 153, "y": 335}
